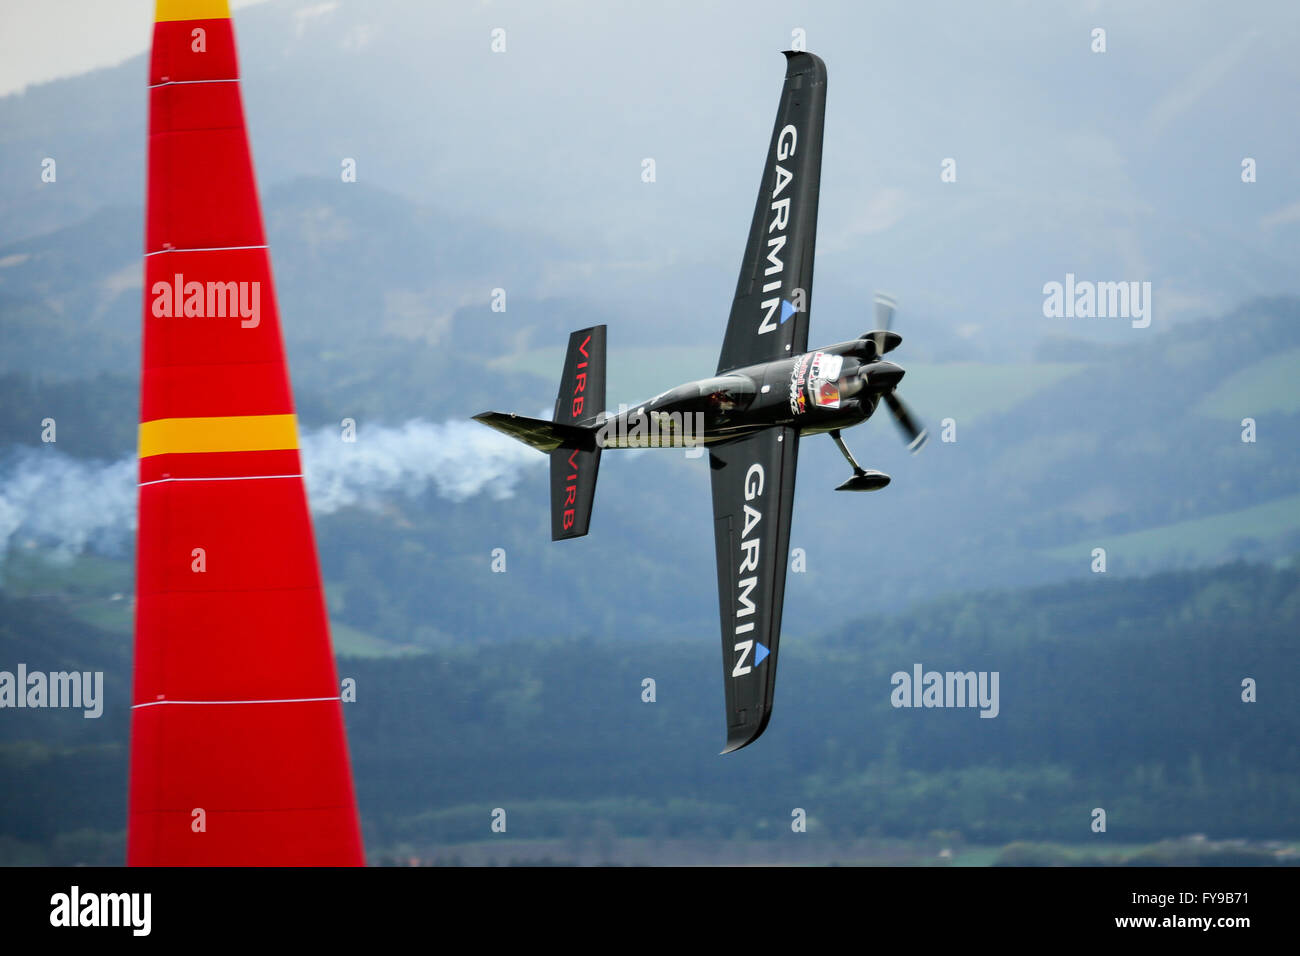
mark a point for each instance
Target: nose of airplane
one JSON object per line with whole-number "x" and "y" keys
{"x": 884, "y": 376}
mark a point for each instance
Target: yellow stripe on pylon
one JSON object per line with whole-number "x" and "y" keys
{"x": 165, "y": 436}
{"x": 191, "y": 10}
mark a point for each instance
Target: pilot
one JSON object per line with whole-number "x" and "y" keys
{"x": 722, "y": 400}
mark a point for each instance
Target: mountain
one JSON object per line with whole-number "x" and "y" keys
{"x": 1123, "y": 165}
{"x": 1138, "y": 451}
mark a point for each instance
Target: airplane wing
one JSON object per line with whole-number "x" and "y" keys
{"x": 753, "y": 494}
{"x": 769, "y": 315}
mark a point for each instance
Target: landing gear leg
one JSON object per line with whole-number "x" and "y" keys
{"x": 848, "y": 455}
{"x": 862, "y": 479}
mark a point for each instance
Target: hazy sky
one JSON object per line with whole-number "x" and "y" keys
{"x": 1123, "y": 166}
{"x": 50, "y": 39}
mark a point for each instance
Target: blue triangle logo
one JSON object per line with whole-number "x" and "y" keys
{"x": 760, "y": 653}
{"x": 787, "y": 310}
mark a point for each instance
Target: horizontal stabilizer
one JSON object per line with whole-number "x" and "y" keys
{"x": 542, "y": 435}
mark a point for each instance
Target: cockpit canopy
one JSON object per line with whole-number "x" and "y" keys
{"x": 721, "y": 396}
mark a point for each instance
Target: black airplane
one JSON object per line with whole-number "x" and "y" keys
{"x": 768, "y": 391}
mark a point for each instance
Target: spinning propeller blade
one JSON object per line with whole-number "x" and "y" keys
{"x": 916, "y": 433}
{"x": 885, "y": 305}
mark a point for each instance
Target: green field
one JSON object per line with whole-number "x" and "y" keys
{"x": 972, "y": 390}
{"x": 1270, "y": 385}
{"x": 592, "y": 848}
{"x": 100, "y": 591}
{"x": 29, "y": 572}
{"x": 351, "y": 642}
{"x": 1202, "y": 539}
{"x": 96, "y": 590}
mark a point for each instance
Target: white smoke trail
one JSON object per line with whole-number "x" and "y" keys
{"x": 67, "y": 505}
{"x": 459, "y": 459}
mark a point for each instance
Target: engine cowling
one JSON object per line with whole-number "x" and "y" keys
{"x": 869, "y": 347}
{"x": 885, "y": 341}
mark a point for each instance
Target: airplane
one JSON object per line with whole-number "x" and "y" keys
{"x": 768, "y": 391}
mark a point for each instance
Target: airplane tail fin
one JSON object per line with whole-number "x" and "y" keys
{"x": 576, "y": 461}
{"x": 570, "y": 439}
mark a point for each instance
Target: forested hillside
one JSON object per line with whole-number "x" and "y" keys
{"x": 1119, "y": 694}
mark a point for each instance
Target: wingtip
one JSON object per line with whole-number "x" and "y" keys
{"x": 734, "y": 744}
{"x": 801, "y": 61}
{"x": 741, "y": 737}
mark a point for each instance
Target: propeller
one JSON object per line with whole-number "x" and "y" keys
{"x": 916, "y": 434}
{"x": 907, "y": 423}
{"x": 885, "y": 306}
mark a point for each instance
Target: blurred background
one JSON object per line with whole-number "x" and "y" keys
{"x": 522, "y": 171}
